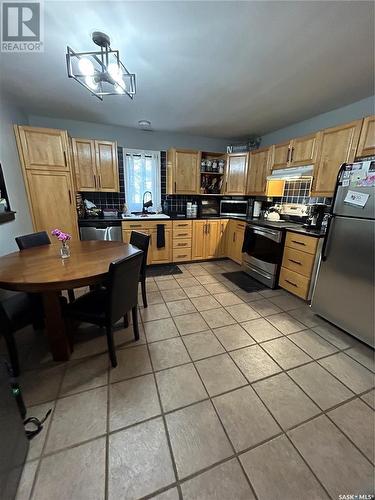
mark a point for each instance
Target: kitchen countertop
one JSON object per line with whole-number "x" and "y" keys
{"x": 286, "y": 225}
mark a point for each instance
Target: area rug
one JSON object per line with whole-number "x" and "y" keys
{"x": 162, "y": 270}
{"x": 245, "y": 282}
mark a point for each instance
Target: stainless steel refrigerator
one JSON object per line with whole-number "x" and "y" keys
{"x": 344, "y": 290}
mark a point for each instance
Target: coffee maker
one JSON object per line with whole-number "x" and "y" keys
{"x": 315, "y": 216}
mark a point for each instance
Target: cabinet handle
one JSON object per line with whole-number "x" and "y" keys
{"x": 70, "y": 196}
{"x": 182, "y": 225}
{"x": 208, "y": 229}
{"x": 135, "y": 225}
{"x": 291, "y": 154}
{"x": 95, "y": 180}
{"x": 287, "y": 156}
{"x": 175, "y": 186}
{"x": 234, "y": 237}
{"x": 100, "y": 181}
{"x": 183, "y": 234}
{"x": 291, "y": 283}
{"x": 181, "y": 256}
{"x": 295, "y": 262}
{"x": 65, "y": 162}
{"x": 299, "y": 243}
{"x": 181, "y": 244}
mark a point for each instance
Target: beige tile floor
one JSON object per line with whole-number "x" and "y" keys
{"x": 227, "y": 395}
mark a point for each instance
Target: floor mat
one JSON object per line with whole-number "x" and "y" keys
{"x": 245, "y": 282}
{"x": 162, "y": 270}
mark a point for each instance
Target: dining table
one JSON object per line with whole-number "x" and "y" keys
{"x": 42, "y": 270}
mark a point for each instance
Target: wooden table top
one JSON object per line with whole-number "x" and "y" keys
{"x": 41, "y": 268}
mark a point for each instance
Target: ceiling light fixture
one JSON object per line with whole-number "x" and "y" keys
{"x": 101, "y": 72}
{"x": 144, "y": 124}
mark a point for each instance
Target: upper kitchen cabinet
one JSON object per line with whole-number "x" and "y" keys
{"x": 279, "y": 155}
{"x": 337, "y": 145}
{"x": 43, "y": 148}
{"x": 294, "y": 153}
{"x": 96, "y": 165}
{"x": 366, "y": 145}
{"x": 236, "y": 174}
{"x": 183, "y": 171}
{"x": 259, "y": 161}
{"x": 303, "y": 150}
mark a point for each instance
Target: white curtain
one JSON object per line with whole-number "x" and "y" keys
{"x": 141, "y": 173}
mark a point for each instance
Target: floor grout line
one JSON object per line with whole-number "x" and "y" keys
{"x": 163, "y": 414}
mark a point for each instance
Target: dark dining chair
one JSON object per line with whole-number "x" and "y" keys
{"x": 141, "y": 241}
{"x": 105, "y": 306}
{"x": 16, "y": 312}
{"x": 36, "y": 240}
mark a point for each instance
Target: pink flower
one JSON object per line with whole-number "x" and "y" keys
{"x": 61, "y": 235}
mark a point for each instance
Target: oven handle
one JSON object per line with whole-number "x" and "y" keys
{"x": 262, "y": 273}
{"x": 268, "y": 233}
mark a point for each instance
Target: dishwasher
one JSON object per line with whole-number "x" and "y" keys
{"x": 100, "y": 230}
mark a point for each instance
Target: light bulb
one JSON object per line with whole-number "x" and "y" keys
{"x": 86, "y": 67}
{"x": 115, "y": 72}
{"x": 90, "y": 82}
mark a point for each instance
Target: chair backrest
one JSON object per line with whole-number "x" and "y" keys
{"x": 141, "y": 241}
{"x": 33, "y": 240}
{"x": 122, "y": 285}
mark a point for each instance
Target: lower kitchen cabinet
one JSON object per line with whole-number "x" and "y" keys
{"x": 206, "y": 239}
{"x": 299, "y": 263}
{"x": 156, "y": 255}
{"x": 222, "y": 238}
{"x": 235, "y": 237}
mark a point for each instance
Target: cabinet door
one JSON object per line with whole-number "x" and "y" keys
{"x": 258, "y": 171}
{"x": 84, "y": 164}
{"x": 107, "y": 166}
{"x": 279, "y": 155}
{"x": 186, "y": 172}
{"x": 236, "y": 173}
{"x": 164, "y": 254}
{"x": 238, "y": 242}
{"x": 303, "y": 150}
{"x": 337, "y": 145}
{"x": 366, "y": 146}
{"x": 223, "y": 236}
{"x": 43, "y": 148}
{"x": 51, "y": 197}
{"x": 126, "y": 234}
{"x": 211, "y": 243}
{"x": 198, "y": 240}
{"x": 231, "y": 238}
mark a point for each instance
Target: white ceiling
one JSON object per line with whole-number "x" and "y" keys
{"x": 220, "y": 69}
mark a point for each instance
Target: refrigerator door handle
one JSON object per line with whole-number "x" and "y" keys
{"x": 325, "y": 242}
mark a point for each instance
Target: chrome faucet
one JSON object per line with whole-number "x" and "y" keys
{"x": 147, "y": 203}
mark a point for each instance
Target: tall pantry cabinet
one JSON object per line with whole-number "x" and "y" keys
{"x": 47, "y": 170}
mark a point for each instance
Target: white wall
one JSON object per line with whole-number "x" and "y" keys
{"x": 345, "y": 114}
{"x": 9, "y": 160}
{"x": 132, "y": 137}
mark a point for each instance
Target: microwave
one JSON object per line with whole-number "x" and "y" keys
{"x": 238, "y": 208}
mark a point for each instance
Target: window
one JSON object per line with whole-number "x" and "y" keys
{"x": 141, "y": 173}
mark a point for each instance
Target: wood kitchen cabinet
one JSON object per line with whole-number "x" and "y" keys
{"x": 222, "y": 238}
{"x": 205, "y": 240}
{"x": 155, "y": 255}
{"x": 279, "y": 155}
{"x": 235, "y": 237}
{"x": 46, "y": 166}
{"x": 259, "y": 162}
{"x": 294, "y": 153}
{"x": 96, "y": 165}
{"x": 366, "y": 145}
{"x": 337, "y": 145}
{"x": 236, "y": 174}
{"x": 183, "y": 171}
{"x": 43, "y": 148}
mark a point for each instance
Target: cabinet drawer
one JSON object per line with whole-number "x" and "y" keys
{"x": 293, "y": 282}
{"x": 301, "y": 242}
{"x": 182, "y": 243}
{"x": 182, "y": 232}
{"x": 183, "y": 254}
{"x": 186, "y": 224}
{"x": 300, "y": 262}
{"x": 142, "y": 224}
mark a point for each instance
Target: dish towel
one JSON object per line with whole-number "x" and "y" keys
{"x": 246, "y": 245}
{"x": 160, "y": 236}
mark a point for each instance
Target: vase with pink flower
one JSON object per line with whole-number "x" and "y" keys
{"x": 64, "y": 238}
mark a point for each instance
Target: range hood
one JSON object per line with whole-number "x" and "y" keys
{"x": 291, "y": 174}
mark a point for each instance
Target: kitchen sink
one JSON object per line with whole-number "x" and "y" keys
{"x": 145, "y": 216}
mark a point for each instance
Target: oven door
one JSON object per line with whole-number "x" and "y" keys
{"x": 264, "y": 251}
